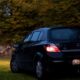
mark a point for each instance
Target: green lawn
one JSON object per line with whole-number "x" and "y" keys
{"x": 5, "y": 73}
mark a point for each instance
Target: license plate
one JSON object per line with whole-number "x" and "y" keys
{"x": 76, "y": 62}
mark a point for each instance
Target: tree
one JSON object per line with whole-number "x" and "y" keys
{"x": 27, "y": 15}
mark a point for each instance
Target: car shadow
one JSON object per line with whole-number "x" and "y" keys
{"x": 64, "y": 77}
{"x": 57, "y": 76}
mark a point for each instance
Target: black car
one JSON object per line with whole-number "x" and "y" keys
{"x": 48, "y": 50}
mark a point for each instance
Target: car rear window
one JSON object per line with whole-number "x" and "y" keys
{"x": 64, "y": 34}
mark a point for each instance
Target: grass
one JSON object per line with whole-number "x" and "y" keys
{"x": 6, "y": 74}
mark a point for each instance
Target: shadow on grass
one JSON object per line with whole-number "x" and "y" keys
{"x": 64, "y": 77}
{"x": 54, "y": 76}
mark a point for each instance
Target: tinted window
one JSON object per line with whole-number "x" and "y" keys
{"x": 35, "y": 36}
{"x": 40, "y": 36}
{"x": 27, "y": 38}
{"x": 64, "y": 34}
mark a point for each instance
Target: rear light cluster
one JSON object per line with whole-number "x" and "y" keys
{"x": 52, "y": 48}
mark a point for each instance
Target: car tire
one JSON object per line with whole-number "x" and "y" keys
{"x": 14, "y": 66}
{"x": 40, "y": 70}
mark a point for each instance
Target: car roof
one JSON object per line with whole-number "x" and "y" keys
{"x": 42, "y": 29}
{"x": 55, "y": 27}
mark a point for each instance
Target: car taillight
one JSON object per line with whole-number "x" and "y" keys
{"x": 52, "y": 48}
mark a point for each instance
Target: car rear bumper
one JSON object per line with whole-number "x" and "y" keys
{"x": 63, "y": 66}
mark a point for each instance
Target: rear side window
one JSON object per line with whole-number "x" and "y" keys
{"x": 64, "y": 34}
{"x": 27, "y": 38}
{"x": 40, "y": 36}
{"x": 35, "y": 36}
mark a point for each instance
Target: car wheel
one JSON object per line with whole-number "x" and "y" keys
{"x": 40, "y": 70}
{"x": 14, "y": 66}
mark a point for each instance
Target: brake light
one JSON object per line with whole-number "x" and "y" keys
{"x": 52, "y": 48}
